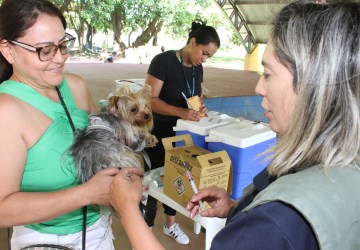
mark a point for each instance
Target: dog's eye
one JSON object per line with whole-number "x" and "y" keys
{"x": 133, "y": 110}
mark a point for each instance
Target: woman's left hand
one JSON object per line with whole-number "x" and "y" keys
{"x": 203, "y": 109}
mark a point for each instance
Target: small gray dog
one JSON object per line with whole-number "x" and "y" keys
{"x": 116, "y": 136}
{"x": 106, "y": 142}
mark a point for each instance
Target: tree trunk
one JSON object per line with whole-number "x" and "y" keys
{"x": 89, "y": 36}
{"x": 152, "y": 30}
{"x": 156, "y": 32}
{"x": 116, "y": 18}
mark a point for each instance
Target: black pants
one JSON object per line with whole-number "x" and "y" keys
{"x": 157, "y": 157}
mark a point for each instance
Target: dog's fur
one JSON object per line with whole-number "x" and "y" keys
{"x": 125, "y": 125}
{"x": 107, "y": 142}
{"x": 116, "y": 136}
{"x": 135, "y": 108}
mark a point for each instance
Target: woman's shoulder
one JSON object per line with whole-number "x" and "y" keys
{"x": 165, "y": 56}
{"x": 73, "y": 79}
{"x": 12, "y": 110}
{"x": 76, "y": 83}
{"x": 79, "y": 91}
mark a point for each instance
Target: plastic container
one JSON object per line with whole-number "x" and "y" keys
{"x": 199, "y": 130}
{"x": 135, "y": 85}
{"x": 243, "y": 141}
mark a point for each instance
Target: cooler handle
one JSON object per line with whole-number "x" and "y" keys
{"x": 214, "y": 139}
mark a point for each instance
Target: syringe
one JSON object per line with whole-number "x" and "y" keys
{"x": 192, "y": 182}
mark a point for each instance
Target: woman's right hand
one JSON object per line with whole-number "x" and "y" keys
{"x": 189, "y": 114}
{"x": 216, "y": 197}
{"x": 98, "y": 186}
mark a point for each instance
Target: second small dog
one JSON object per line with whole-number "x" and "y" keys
{"x": 134, "y": 107}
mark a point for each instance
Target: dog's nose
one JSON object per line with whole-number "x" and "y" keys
{"x": 146, "y": 117}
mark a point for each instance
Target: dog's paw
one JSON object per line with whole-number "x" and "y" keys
{"x": 151, "y": 141}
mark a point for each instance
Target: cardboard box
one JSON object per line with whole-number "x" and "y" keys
{"x": 207, "y": 169}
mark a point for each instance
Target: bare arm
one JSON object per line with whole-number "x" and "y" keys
{"x": 81, "y": 93}
{"x": 23, "y": 128}
{"x": 161, "y": 107}
{"x": 125, "y": 194}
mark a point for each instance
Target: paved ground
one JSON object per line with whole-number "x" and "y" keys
{"x": 220, "y": 82}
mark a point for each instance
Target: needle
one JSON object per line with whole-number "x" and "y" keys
{"x": 192, "y": 182}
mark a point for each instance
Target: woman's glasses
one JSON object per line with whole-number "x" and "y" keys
{"x": 47, "y": 53}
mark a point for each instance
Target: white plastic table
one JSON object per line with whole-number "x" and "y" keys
{"x": 212, "y": 225}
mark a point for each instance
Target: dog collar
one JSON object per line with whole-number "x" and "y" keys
{"x": 96, "y": 123}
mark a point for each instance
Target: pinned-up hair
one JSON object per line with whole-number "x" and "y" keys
{"x": 203, "y": 33}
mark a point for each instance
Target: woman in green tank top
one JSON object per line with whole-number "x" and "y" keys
{"x": 39, "y": 194}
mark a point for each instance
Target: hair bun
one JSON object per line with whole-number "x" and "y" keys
{"x": 197, "y": 24}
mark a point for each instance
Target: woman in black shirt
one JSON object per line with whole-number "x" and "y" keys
{"x": 172, "y": 74}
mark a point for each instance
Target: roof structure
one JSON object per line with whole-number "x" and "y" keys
{"x": 251, "y": 18}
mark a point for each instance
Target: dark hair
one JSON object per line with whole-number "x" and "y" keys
{"x": 16, "y": 16}
{"x": 203, "y": 33}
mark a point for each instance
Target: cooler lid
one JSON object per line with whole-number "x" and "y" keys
{"x": 203, "y": 127}
{"x": 242, "y": 134}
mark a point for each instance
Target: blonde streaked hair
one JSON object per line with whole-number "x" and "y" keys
{"x": 320, "y": 44}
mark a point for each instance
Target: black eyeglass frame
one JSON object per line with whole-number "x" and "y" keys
{"x": 69, "y": 38}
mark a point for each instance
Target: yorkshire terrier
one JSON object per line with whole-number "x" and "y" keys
{"x": 116, "y": 136}
{"x": 134, "y": 107}
{"x": 106, "y": 142}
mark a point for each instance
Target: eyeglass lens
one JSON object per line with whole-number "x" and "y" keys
{"x": 48, "y": 52}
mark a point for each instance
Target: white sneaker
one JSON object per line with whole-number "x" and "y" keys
{"x": 177, "y": 233}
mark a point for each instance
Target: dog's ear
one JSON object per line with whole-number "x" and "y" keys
{"x": 113, "y": 104}
{"x": 113, "y": 100}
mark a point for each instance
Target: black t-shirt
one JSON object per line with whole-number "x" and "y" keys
{"x": 167, "y": 68}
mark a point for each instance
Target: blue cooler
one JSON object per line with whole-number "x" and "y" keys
{"x": 199, "y": 130}
{"x": 243, "y": 141}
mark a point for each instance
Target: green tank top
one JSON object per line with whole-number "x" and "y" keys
{"x": 47, "y": 168}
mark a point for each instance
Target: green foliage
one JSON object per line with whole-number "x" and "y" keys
{"x": 172, "y": 17}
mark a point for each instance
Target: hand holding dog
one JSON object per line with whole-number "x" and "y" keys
{"x": 126, "y": 190}
{"x": 98, "y": 186}
{"x": 216, "y": 197}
